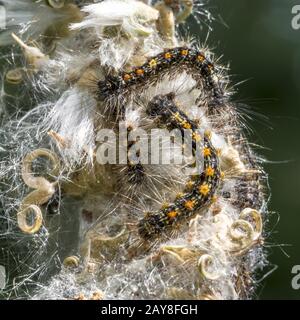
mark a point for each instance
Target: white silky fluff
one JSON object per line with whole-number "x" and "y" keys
{"x": 73, "y": 118}
{"x": 27, "y": 18}
{"x": 129, "y": 14}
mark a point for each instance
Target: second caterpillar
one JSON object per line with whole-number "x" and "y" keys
{"x": 201, "y": 188}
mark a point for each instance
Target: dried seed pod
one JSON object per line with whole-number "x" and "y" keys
{"x": 180, "y": 253}
{"x": 14, "y": 76}
{"x": 71, "y": 262}
{"x": 23, "y": 217}
{"x": 249, "y": 213}
{"x": 98, "y": 245}
{"x": 27, "y": 174}
{"x": 56, "y": 4}
{"x": 205, "y": 263}
{"x": 34, "y": 57}
{"x": 242, "y": 237}
{"x": 43, "y": 193}
{"x": 241, "y": 231}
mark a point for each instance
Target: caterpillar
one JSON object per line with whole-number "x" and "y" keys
{"x": 134, "y": 171}
{"x": 199, "y": 190}
{"x": 191, "y": 59}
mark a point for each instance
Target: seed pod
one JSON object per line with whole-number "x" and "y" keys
{"x": 56, "y": 4}
{"x": 23, "y": 216}
{"x": 71, "y": 262}
{"x": 14, "y": 76}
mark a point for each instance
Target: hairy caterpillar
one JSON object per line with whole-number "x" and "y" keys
{"x": 200, "y": 190}
{"x": 134, "y": 171}
{"x": 192, "y": 59}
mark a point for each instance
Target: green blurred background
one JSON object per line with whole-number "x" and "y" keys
{"x": 257, "y": 38}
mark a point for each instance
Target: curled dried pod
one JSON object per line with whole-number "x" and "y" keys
{"x": 23, "y": 217}
{"x": 71, "y": 262}
{"x": 99, "y": 244}
{"x": 180, "y": 253}
{"x": 205, "y": 265}
{"x": 14, "y": 76}
{"x": 43, "y": 193}
{"x": 255, "y": 216}
{"x": 241, "y": 231}
{"x": 27, "y": 174}
{"x": 242, "y": 236}
{"x": 114, "y": 239}
{"x": 33, "y": 55}
{"x": 56, "y": 4}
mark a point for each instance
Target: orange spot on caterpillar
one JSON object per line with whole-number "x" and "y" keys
{"x": 200, "y": 58}
{"x": 206, "y": 152}
{"x": 172, "y": 214}
{"x": 184, "y": 52}
{"x": 190, "y": 204}
{"x": 126, "y": 77}
{"x": 177, "y": 117}
{"x": 210, "y": 172}
{"x": 139, "y": 72}
{"x": 204, "y": 189}
{"x": 168, "y": 55}
{"x": 186, "y": 125}
{"x": 196, "y": 136}
{"x": 152, "y": 63}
